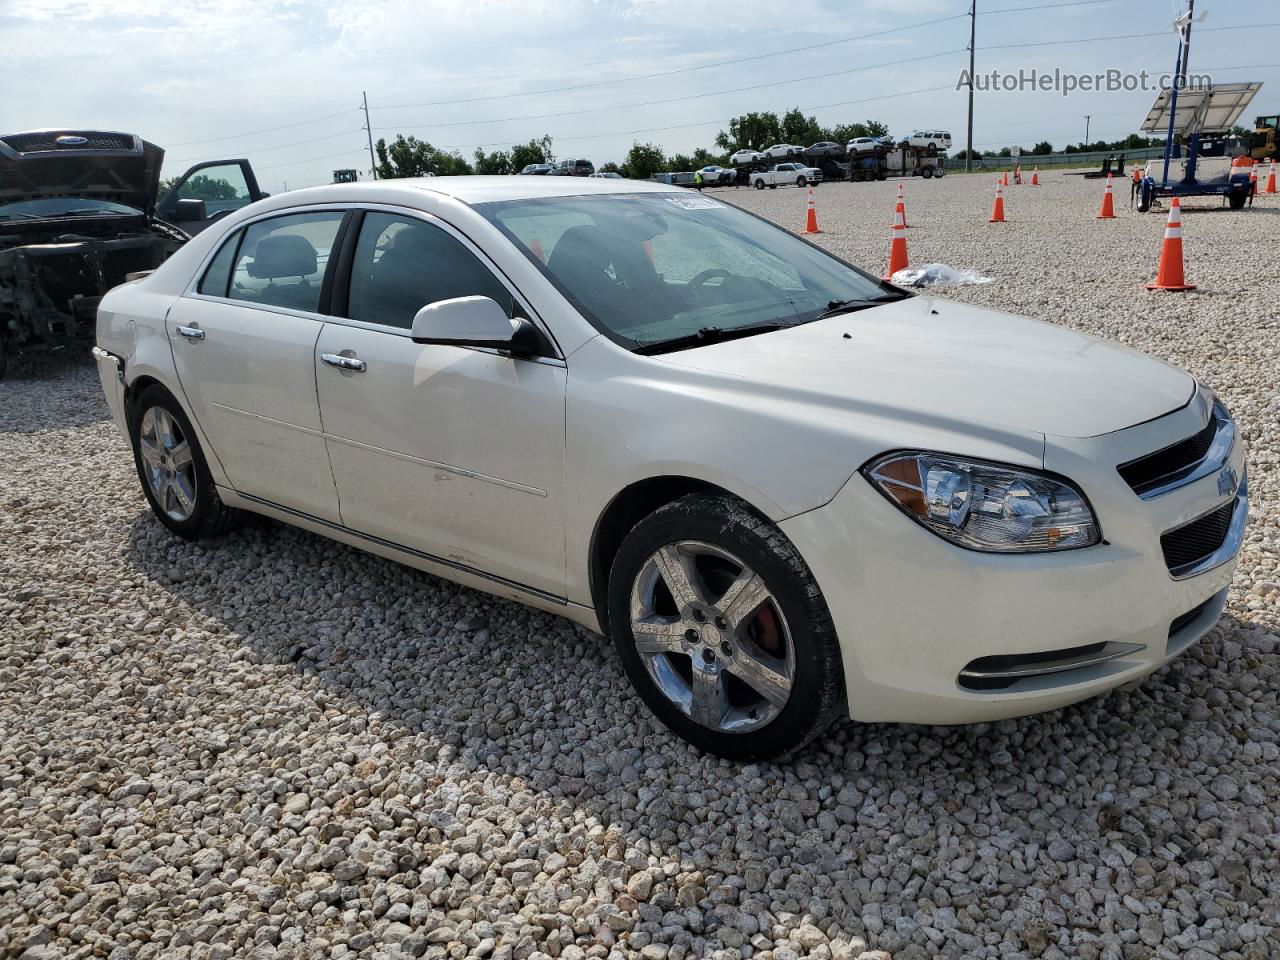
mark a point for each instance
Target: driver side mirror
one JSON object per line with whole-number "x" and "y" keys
{"x": 189, "y": 210}
{"x": 476, "y": 322}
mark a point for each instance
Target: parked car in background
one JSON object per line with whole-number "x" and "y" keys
{"x": 80, "y": 211}
{"x": 938, "y": 139}
{"x": 824, "y": 149}
{"x": 537, "y": 169}
{"x": 789, "y": 491}
{"x": 746, "y": 156}
{"x": 780, "y": 151}
{"x": 574, "y": 168}
{"x": 714, "y": 176}
{"x": 864, "y": 145}
{"x": 607, "y": 175}
{"x": 784, "y": 173}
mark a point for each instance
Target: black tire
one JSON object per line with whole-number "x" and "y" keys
{"x": 773, "y": 186}
{"x": 817, "y": 691}
{"x": 1237, "y": 198}
{"x": 209, "y": 517}
{"x": 801, "y": 181}
{"x": 759, "y": 184}
{"x": 927, "y": 173}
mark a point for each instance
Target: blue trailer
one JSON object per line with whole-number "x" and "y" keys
{"x": 1188, "y": 114}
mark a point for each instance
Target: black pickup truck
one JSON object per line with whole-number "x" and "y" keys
{"x": 79, "y": 212}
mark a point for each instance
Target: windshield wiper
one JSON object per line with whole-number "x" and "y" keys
{"x": 837, "y": 307}
{"x": 707, "y": 335}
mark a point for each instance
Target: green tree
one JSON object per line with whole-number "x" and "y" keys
{"x": 1042, "y": 148}
{"x": 497, "y": 163}
{"x": 610, "y": 167}
{"x": 682, "y": 161}
{"x": 411, "y": 157}
{"x": 876, "y": 129}
{"x": 201, "y": 187}
{"x": 751, "y": 131}
{"x": 535, "y": 151}
{"x": 705, "y": 158}
{"x": 801, "y": 130}
{"x": 643, "y": 161}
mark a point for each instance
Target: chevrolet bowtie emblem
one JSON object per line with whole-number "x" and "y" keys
{"x": 1227, "y": 481}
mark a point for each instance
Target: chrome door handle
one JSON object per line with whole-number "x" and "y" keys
{"x": 191, "y": 333}
{"x": 344, "y": 363}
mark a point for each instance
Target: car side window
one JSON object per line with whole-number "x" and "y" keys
{"x": 217, "y": 277}
{"x": 401, "y": 264}
{"x": 281, "y": 262}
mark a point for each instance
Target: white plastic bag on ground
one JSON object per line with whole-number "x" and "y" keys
{"x": 937, "y": 275}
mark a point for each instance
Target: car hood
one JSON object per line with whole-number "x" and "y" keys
{"x": 80, "y": 163}
{"x": 936, "y": 357}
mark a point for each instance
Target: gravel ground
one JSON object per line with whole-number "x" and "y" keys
{"x": 276, "y": 746}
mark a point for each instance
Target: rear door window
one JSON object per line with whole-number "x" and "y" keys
{"x": 217, "y": 277}
{"x": 281, "y": 262}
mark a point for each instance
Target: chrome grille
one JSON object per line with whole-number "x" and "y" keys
{"x": 1194, "y": 542}
{"x": 1184, "y": 462}
{"x": 48, "y": 140}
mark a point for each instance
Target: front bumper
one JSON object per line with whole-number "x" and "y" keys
{"x": 914, "y": 612}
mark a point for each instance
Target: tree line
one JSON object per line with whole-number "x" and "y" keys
{"x": 411, "y": 157}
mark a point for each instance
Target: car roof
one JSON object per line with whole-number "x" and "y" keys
{"x": 468, "y": 190}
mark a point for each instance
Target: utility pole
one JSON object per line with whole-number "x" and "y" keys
{"x": 368, "y": 128}
{"x": 973, "y": 32}
{"x": 1086, "y": 131}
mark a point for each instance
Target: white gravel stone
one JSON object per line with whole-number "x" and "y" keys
{"x": 278, "y": 746}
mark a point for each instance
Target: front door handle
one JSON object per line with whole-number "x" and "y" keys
{"x": 191, "y": 333}
{"x": 344, "y": 363}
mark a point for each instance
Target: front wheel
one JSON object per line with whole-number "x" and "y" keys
{"x": 801, "y": 181}
{"x": 759, "y": 184}
{"x": 723, "y": 631}
{"x": 1237, "y": 198}
{"x": 927, "y": 173}
{"x": 172, "y": 468}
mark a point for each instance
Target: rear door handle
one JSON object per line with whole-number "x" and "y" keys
{"x": 344, "y": 363}
{"x": 191, "y": 333}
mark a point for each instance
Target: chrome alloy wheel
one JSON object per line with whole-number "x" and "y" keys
{"x": 167, "y": 463}
{"x": 712, "y": 637}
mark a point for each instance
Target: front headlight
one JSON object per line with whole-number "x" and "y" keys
{"x": 985, "y": 506}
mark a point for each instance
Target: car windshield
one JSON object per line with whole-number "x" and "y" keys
{"x": 652, "y": 268}
{"x": 52, "y": 207}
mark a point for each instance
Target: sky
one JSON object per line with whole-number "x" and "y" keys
{"x": 281, "y": 81}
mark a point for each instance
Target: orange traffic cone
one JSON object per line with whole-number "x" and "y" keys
{"x": 1169, "y": 276}
{"x": 1108, "y": 211}
{"x": 997, "y": 208}
{"x": 811, "y": 218}
{"x": 1004, "y": 180}
{"x": 902, "y": 208}
{"x": 1271, "y": 179}
{"x": 898, "y": 245}
{"x": 1035, "y": 175}
{"x": 1253, "y": 183}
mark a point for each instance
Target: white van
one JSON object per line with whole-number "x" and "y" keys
{"x": 931, "y": 138}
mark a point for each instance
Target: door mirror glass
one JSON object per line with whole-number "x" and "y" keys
{"x": 465, "y": 322}
{"x": 189, "y": 209}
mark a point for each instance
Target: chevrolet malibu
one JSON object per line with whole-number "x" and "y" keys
{"x": 788, "y": 491}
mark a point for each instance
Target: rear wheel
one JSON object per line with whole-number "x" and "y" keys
{"x": 723, "y": 631}
{"x": 759, "y": 184}
{"x": 1237, "y": 198}
{"x": 927, "y": 173}
{"x": 172, "y": 468}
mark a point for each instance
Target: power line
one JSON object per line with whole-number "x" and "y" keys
{"x": 666, "y": 100}
{"x": 672, "y": 73}
{"x": 281, "y": 146}
{"x": 287, "y": 126}
{"x": 1123, "y": 36}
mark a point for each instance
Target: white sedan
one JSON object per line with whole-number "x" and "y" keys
{"x": 746, "y": 156}
{"x": 780, "y": 151}
{"x": 788, "y": 491}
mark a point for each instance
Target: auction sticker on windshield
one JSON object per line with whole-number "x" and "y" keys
{"x": 695, "y": 203}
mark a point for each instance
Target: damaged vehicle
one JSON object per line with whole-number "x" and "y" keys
{"x": 80, "y": 213}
